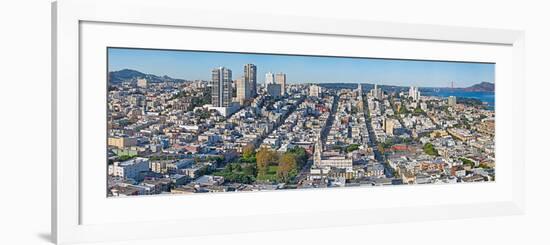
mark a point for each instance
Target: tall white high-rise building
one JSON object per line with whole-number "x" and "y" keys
{"x": 269, "y": 79}
{"x": 314, "y": 90}
{"x": 251, "y": 78}
{"x": 222, "y": 89}
{"x": 376, "y": 92}
{"x": 452, "y": 100}
{"x": 414, "y": 93}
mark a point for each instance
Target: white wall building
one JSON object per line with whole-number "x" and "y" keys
{"x": 414, "y": 93}
{"x": 129, "y": 169}
{"x": 314, "y": 90}
{"x": 269, "y": 79}
{"x": 142, "y": 83}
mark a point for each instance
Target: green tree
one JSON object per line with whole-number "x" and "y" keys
{"x": 126, "y": 157}
{"x": 237, "y": 167}
{"x": 287, "y": 167}
{"x": 264, "y": 158}
{"x": 250, "y": 169}
{"x": 300, "y": 154}
{"x": 403, "y": 110}
{"x": 418, "y": 111}
{"x": 248, "y": 151}
{"x": 228, "y": 168}
{"x": 466, "y": 161}
{"x": 352, "y": 147}
{"x": 430, "y": 150}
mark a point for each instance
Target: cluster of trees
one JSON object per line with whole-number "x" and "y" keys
{"x": 469, "y": 101}
{"x": 352, "y": 147}
{"x": 264, "y": 158}
{"x": 265, "y": 165}
{"x": 239, "y": 173}
{"x": 249, "y": 156}
{"x": 418, "y": 111}
{"x": 202, "y": 114}
{"x": 430, "y": 149}
{"x": 403, "y": 110}
{"x": 466, "y": 161}
{"x": 347, "y": 149}
{"x": 199, "y": 101}
{"x": 126, "y": 157}
{"x": 382, "y": 146}
{"x": 287, "y": 164}
{"x": 196, "y": 100}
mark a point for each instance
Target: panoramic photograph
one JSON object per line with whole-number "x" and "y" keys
{"x": 186, "y": 122}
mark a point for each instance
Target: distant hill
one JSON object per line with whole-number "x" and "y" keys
{"x": 481, "y": 87}
{"x": 130, "y": 75}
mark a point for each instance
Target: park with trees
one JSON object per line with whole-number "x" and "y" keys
{"x": 265, "y": 165}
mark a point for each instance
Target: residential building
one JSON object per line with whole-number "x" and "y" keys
{"x": 274, "y": 90}
{"x": 280, "y": 78}
{"x": 330, "y": 162}
{"x": 243, "y": 90}
{"x": 451, "y": 101}
{"x": 221, "y": 87}
{"x": 414, "y": 93}
{"x": 269, "y": 78}
{"x": 314, "y": 90}
{"x": 121, "y": 141}
{"x": 389, "y": 125}
{"x": 129, "y": 169}
{"x": 250, "y": 78}
{"x": 376, "y": 92}
{"x": 142, "y": 83}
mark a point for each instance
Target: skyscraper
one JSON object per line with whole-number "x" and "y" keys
{"x": 414, "y": 93}
{"x": 452, "y": 101}
{"x": 269, "y": 79}
{"x": 280, "y": 78}
{"x": 250, "y": 78}
{"x": 243, "y": 90}
{"x": 221, "y": 87}
{"x": 314, "y": 90}
{"x": 376, "y": 92}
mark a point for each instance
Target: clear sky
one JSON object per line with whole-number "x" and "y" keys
{"x": 193, "y": 65}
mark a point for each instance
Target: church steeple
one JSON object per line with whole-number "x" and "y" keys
{"x": 318, "y": 152}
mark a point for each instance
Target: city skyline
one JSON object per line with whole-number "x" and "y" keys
{"x": 197, "y": 65}
{"x": 224, "y": 133}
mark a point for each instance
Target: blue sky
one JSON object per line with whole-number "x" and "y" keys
{"x": 192, "y": 65}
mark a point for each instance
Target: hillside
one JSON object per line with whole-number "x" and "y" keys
{"x": 481, "y": 87}
{"x": 129, "y": 75}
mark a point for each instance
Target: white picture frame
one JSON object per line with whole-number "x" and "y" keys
{"x": 68, "y": 195}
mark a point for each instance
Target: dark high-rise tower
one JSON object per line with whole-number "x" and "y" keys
{"x": 221, "y": 87}
{"x": 250, "y": 78}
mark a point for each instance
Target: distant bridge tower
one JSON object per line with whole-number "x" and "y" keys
{"x": 452, "y": 85}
